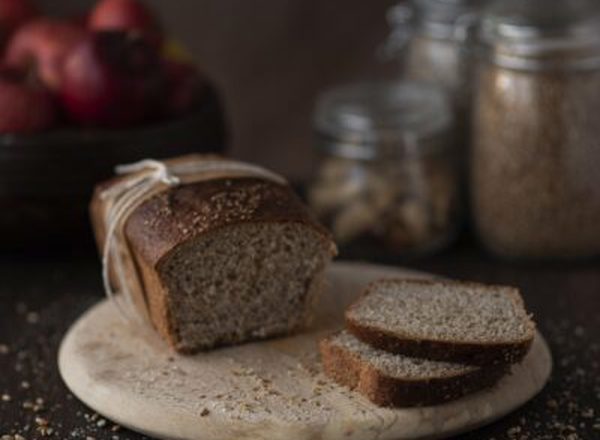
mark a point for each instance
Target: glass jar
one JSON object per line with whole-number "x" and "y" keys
{"x": 535, "y": 169}
{"x": 389, "y": 173}
{"x": 432, "y": 38}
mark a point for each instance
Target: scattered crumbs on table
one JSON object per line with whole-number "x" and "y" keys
{"x": 40, "y": 421}
{"x": 35, "y": 406}
{"x": 563, "y": 415}
{"x": 90, "y": 417}
{"x": 25, "y": 385}
{"x": 514, "y": 431}
{"x": 43, "y": 426}
{"x": 588, "y": 413}
{"x": 4, "y": 349}
{"x": 566, "y": 416}
{"x": 5, "y": 397}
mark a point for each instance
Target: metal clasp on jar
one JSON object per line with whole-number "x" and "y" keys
{"x": 399, "y": 18}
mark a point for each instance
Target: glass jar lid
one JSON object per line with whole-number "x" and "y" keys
{"x": 542, "y": 33}
{"x": 369, "y": 119}
{"x": 444, "y": 19}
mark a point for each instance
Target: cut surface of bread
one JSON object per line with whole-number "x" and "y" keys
{"x": 242, "y": 282}
{"x": 400, "y": 381}
{"x": 443, "y": 320}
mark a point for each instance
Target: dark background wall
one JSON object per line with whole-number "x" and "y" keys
{"x": 270, "y": 58}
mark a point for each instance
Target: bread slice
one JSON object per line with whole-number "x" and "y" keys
{"x": 450, "y": 321}
{"x": 400, "y": 381}
{"x": 224, "y": 261}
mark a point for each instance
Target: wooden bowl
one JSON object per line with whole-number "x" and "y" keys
{"x": 46, "y": 180}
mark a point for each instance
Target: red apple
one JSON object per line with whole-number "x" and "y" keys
{"x": 112, "y": 79}
{"x": 80, "y": 20}
{"x": 185, "y": 87}
{"x": 14, "y": 13}
{"x": 126, "y": 15}
{"x": 25, "y": 105}
{"x": 45, "y": 43}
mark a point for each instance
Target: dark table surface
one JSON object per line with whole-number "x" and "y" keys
{"x": 41, "y": 297}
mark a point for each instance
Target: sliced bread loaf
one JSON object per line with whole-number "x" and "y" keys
{"x": 450, "y": 321}
{"x": 223, "y": 261}
{"x": 400, "y": 381}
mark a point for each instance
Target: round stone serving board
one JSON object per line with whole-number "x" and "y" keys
{"x": 267, "y": 390}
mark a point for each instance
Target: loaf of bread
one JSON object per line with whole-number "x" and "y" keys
{"x": 449, "y": 321}
{"x": 400, "y": 381}
{"x": 222, "y": 261}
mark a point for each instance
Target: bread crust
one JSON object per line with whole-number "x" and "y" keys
{"x": 470, "y": 353}
{"x": 348, "y": 369}
{"x": 157, "y": 227}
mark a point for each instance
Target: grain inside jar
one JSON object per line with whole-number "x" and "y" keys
{"x": 535, "y": 171}
{"x": 432, "y": 40}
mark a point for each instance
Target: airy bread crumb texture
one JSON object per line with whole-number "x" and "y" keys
{"x": 398, "y": 366}
{"x": 444, "y": 311}
{"x": 243, "y": 282}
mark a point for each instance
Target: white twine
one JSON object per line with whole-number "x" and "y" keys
{"x": 148, "y": 178}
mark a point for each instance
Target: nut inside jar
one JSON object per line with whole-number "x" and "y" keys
{"x": 390, "y": 171}
{"x": 408, "y": 205}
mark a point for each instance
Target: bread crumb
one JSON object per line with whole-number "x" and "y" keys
{"x": 40, "y": 421}
{"x": 551, "y": 403}
{"x": 513, "y": 431}
{"x": 32, "y": 317}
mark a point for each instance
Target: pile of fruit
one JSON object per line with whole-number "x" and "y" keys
{"x": 111, "y": 69}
